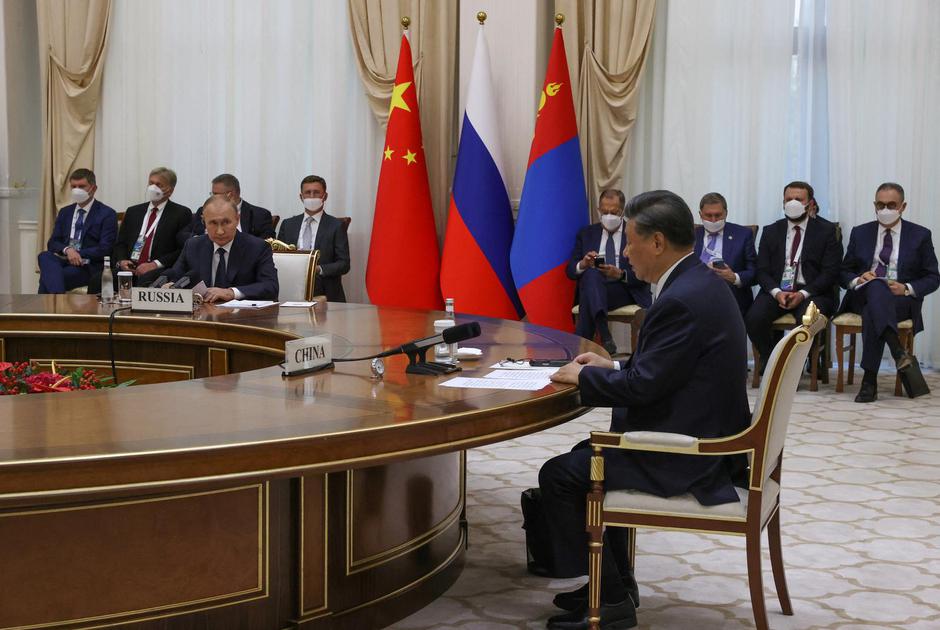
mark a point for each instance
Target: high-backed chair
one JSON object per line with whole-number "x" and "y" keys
{"x": 296, "y": 273}
{"x": 275, "y": 219}
{"x": 759, "y": 505}
{"x": 851, "y": 324}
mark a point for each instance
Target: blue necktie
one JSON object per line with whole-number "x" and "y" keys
{"x": 610, "y": 251}
{"x": 79, "y": 224}
{"x": 706, "y": 256}
{"x": 221, "y": 281}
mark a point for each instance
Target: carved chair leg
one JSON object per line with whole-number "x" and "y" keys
{"x": 755, "y": 378}
{"x": 814, "y": 365}
{"x": 840, "y": 359}
{"x": 776, "y": 563}
{"x": 754, "y": 578}
{"x": 595, "y": 552}
{"x": 851, "y": 379}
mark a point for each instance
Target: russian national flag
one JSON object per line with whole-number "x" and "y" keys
{"x": 475, "y": 263}
{"x": 554, "y": 202}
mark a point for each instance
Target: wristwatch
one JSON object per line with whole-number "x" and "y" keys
{"x": 907, "y": 291}
{"x": 378, "y": 368}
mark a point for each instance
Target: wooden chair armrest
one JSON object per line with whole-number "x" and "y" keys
{"x": 660, "y": 442}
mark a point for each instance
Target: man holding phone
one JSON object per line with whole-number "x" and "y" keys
{"x": 605, "y": 279}
{"x": 726, "y": 248}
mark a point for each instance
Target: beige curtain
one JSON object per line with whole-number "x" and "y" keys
{"x": 73, "y": 35}
{"x": 607, "y": 43}
{"x": 376, "y": 34}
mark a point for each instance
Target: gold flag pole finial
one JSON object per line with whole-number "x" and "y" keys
{"x": 559, "y": 19}
{"x": 405, "y": 22}
{"x": 481, "y": 17}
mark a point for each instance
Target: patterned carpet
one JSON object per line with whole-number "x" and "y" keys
{"x": 861, "y": 530}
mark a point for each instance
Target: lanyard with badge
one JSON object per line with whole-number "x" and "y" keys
{"x": 142, "y": 239}
{"x": 788, "y": 282}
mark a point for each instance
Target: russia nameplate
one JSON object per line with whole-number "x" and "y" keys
{"x": 162, "y": 300}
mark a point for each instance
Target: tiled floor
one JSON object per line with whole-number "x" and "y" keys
{"x": 861, "y": 530}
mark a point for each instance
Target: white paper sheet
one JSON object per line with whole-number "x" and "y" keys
{"x": 529, "y": 385}
{"x": 531, "y": 374}
{"x": 247, "y": 304}
{"x": 298, "y": 304}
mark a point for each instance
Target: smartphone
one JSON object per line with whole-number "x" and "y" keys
{"x": 548, "y": 362}
{"x": 599, "y": 260}
{"x": 718, "y": 263}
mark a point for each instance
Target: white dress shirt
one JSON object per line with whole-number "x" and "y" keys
{"x": 618, "y": 247}
{"x": 156, "y": 222}
{"x": 228, "y": 261}
{"x": 791, "y": 234}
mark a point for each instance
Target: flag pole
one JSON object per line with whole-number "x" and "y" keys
{"x": 405, "y": 22}
{"x": 481, "y": 17}
{"x": 559, "y": 19}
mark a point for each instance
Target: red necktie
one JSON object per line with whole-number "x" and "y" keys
{"x": 145, "y": 250}
{"x": 795, "y": 247}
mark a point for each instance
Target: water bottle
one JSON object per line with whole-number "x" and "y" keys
{"x": 107, "y": 282}
{"x": 451, "y": 315}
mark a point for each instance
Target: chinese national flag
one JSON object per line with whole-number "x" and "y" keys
{"x": 404, "y": 259}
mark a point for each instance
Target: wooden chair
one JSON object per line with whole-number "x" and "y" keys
{"x": 851, "y": 324}
{"x": 345, "y": 221}
{"x": 275, "y": 219}
{"x": 784, "y": 323}
{"x": 630, "y": 314}
{"x": 759, "y": 506}
{"x": 296, "y": 274}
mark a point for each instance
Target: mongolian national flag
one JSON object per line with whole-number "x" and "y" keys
{"x": 554, "y": 202}
{"x": 404, "y": 259}
{"x": 475, "y": 266}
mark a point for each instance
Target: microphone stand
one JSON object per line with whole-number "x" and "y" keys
{"x": 418, "y": 363}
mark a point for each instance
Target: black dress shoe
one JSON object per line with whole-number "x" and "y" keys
{"x": 613, "y": 617}
{"x": 867, "y": 393}
{"x": 577, "y": 599}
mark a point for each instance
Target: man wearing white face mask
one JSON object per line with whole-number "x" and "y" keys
{"x": 83, "y": 235}
{"x": 150, "y": 238}
{"x": 726, "y": 248}
{"x": 889, "y": 267}
{"x": 315, "y": 229}
{"x": 605, "y": 278}
{"x": 797, "y": 263}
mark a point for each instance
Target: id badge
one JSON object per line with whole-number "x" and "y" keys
{"x": 138, "y": 246}
{"x": 75, "y": 244}
{"x": 892, "y": 272}
{"x": 789, "y": 278}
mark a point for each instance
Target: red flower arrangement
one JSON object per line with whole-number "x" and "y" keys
{"x": 21, "y": 378}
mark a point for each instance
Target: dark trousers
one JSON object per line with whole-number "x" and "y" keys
{"x": 881, "y": 310}
{"x": 57, "y": 275}
{"x": 596, "y": 296}
{"x": 565, "y": 481}
{"x": 766, "y": 309}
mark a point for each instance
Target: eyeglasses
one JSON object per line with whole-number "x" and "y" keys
{"x": 891, "y": 205}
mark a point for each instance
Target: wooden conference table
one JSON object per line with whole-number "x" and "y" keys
{"x": 218, "y": 494}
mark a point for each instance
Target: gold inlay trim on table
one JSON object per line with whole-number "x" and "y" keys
{"x": 218, "y": 361}
{"x": 101, "y": 364}
{"x": 263, "y": 561}
{"x": 354, "y": 566}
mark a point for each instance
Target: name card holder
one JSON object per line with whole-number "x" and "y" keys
{"x": 162, "y": 300}
{"x": 310, "y": 354}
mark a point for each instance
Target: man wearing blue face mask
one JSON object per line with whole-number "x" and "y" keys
{"x": 889, "y": 267}
{"x": 797, "y": 263}
{"x": 83, "y": 235}
{"x": 605, "y": 278}
{"x": 726, "y": 248}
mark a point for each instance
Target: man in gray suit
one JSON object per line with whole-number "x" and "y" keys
{"x": 315, "y": 229}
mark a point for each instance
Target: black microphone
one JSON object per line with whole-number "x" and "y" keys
{"x": 159, "y": 282}
{"x": 191, "y": 277}
{"x": 454, "y": 334}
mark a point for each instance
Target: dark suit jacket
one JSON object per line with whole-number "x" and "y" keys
{"x": 917, "y": 262}
{"x": 688, "y": 375}
{"x": 249, "y": 265}
{"x": 819, "y": 261}
{"x": 253, "y": 220}
{"x": 589, "y": 239}
{"x": 165, "y": 246}
{"x": 737, "y": 250}
{"x": 333, "y": 244}
{"x": 98, "y": 233}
